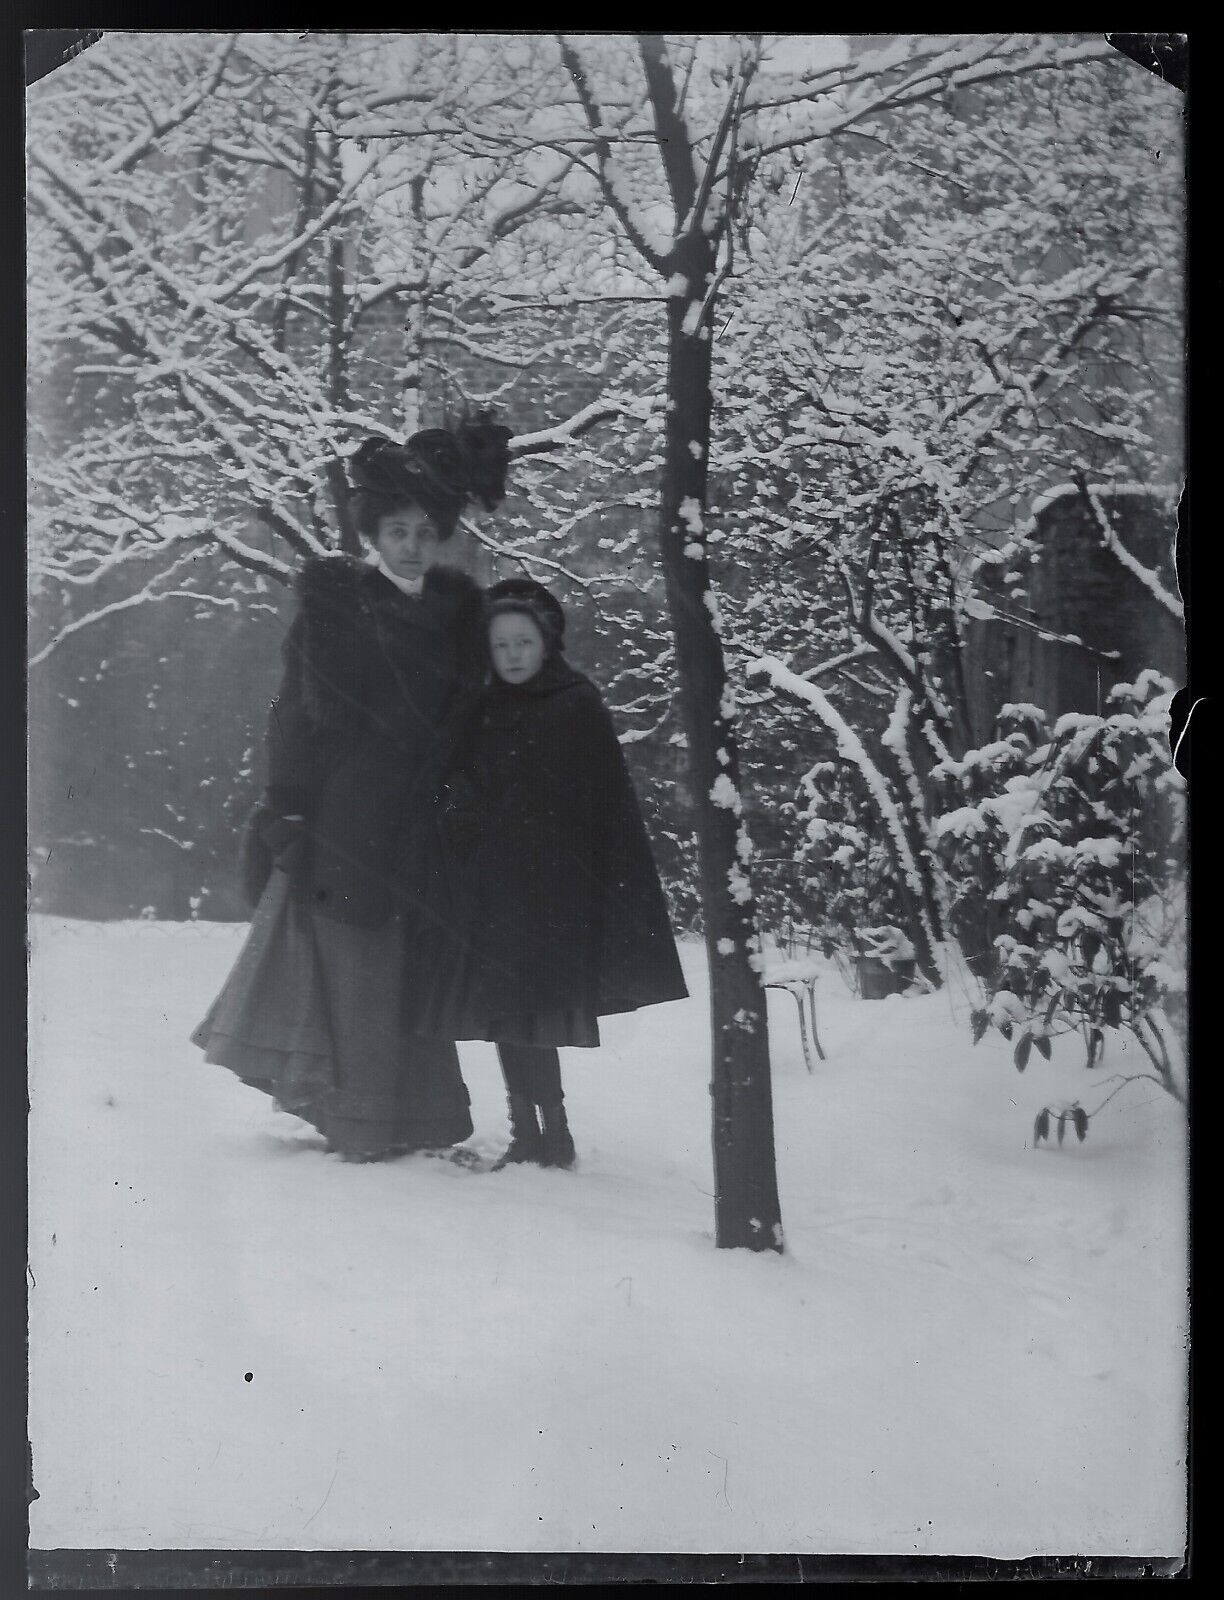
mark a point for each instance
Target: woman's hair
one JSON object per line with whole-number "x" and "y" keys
{"x": 438, "y": 469}
{"x": 529, "y": 599}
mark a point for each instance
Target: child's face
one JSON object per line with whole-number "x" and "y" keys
{"x": 517, "y": 647}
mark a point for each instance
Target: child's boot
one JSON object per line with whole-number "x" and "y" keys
{"x": 526, "y": 1141}
{"x": 558, "y": 1143}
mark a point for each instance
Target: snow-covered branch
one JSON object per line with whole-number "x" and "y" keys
{"x": 144, "y": 596}
{"x": 844, "y": 102}
{"x": 126, "y": 158}
{"x": 851, "y": 748}
{"x": 498, "y": 358}
{"x": 673, "y": 139}
{"x": 535, "y": 558}
{"x": 653, "y": 247}
{"x": 562, "y": 433}
{"x": 857, "y": 653}
{"x": 1110, "y": 540}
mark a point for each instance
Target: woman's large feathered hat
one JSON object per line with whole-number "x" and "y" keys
{"x": 436, "y": 468}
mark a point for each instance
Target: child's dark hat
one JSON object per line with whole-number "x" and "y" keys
{"x": 525, "y": 594}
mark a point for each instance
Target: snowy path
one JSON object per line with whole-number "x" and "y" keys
{"x": 970, "y": 1346}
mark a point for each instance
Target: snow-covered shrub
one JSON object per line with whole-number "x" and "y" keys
{"x": 1073, "y": 839}
{"x": 850, "y": 882}
{"x": 990, "y": 793}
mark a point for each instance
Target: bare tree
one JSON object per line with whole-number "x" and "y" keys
{"x": 678, "y": 135}
{"x": 212, "y": 258}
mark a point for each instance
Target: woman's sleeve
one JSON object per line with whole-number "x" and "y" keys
{"x": 457, "y": 726}
{"x": 290, "y": 741}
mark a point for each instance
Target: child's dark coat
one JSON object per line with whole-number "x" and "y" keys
{"x": 561, "y": 907}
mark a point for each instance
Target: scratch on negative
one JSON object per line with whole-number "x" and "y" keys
{"x": 1185, "y": 727}
{"x": 726, "y": 1470}
{"x": 325, "y": 1498}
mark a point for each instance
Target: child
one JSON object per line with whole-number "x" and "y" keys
{"x": 561, "y": 918}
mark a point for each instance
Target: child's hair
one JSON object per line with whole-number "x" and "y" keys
{"x": 528, "y": 599}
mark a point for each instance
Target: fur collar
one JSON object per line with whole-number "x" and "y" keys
{"x": 330, "y": 582}
{"x": 351, "y": 617}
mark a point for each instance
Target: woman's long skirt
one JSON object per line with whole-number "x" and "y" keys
{"x": 311, "y": 1014}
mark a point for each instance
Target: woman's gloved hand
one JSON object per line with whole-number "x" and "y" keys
{"x": 459, "y": 807}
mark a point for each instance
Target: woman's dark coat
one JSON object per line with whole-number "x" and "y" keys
{"x": 378, "y": 688}
{"x": 562, "y": 901}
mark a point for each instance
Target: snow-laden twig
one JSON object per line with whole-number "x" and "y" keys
{"x": 126, "y": 158}
{"x": 141, "y": 597}
{"x": 563, "y": 433}
{"x": 181, "y": 292}
{"x": 533, "y": 558}
{"x": 496, "y": 357}
{"x": 857, "y": 653}
{"x": 986, "y": 610}
{"x": 650, "y": 244}
{"x": 636, "y": 735}
{"x": 1128, "y": 559}
{"x": 501, "y": 302}
{"x": 506, "y": 217}
{"x": 180, "y": 844}
{"x": 851, "y": 98}
{"x": 851, "y": 748}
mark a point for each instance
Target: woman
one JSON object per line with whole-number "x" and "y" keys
{"x": 382, "y": 667}
{"x": 560, "y": 912}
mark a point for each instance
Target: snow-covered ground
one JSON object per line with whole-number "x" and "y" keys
{"x": 240, "y": 1342}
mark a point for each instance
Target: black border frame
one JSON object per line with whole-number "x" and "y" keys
{"x": 270, "y": 1572}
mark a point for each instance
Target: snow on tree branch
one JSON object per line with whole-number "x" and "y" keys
{"x": 151, "y": 591}
{"x": 526, "y": 557}
{"x": 650, "y": 243}
{"x": 159, "y": 126}
{"x": 881, "y": 81}
{"x": 563, "y": 433}
{"x": 675, "y": 149}
{"x": 857, "y": 653}
{"x": 851, "y": 749}
{"x": 1116, "y": 548}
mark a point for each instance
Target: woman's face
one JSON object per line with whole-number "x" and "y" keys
{"x": 516, "y": 645}
{"x": 407, "y": 538}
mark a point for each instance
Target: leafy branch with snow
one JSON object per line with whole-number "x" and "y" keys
{"x": 1073, "y": 838}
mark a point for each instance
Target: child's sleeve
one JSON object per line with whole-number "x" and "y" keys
{"x": 638, "y": 964}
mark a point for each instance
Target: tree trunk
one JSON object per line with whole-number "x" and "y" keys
{"x": 412, "y": 376}
{"x": 924, "y": 914}
{"x": 338, "y": 335}
{"x": 747, "y": 1213}
{"x": 337, "y": 388}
